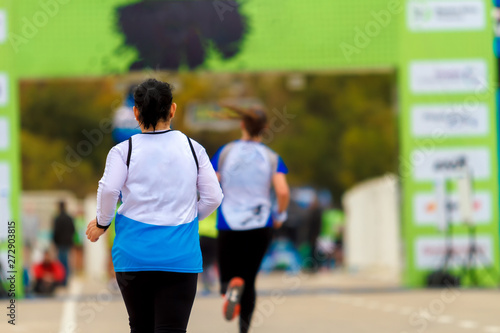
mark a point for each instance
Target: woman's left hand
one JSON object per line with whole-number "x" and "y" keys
{"x": 93, "y": 232}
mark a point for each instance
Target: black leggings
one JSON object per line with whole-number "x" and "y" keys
{"x": 158, "y": 302}
{"x": 240, "y": 254}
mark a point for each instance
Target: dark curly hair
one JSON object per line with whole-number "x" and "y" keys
{"x": 153, "y": 98}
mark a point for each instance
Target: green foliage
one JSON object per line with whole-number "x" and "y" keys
{"x": 344, "y": 131}
{"x": 340, "y": 130}
{"x": 55, "y": 116}
{"x": 336, "y": 132}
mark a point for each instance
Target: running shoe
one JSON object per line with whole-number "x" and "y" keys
{"x": 232, "y": 298}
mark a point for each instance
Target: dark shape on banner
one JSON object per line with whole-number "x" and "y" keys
{"x": 169, "y": 34}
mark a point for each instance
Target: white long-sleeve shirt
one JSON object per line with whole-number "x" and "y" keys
{"x": 159, "y": 191}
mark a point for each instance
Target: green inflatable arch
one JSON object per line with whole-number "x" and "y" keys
{"x": 441, "y": 52}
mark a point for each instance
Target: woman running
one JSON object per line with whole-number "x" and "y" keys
{"x": 156, "y": 252}
{"x": 247, "y": 170}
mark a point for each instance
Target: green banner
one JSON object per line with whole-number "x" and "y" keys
{"x": 70, "y": 38}
{"x": 448, "y": 124}
{"x": 10, "y": 222}
{"x": 442, "y": 51}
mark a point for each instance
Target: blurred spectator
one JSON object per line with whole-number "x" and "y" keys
{"x": 48, "y": 275}
{"x": 291, "y": 228}
{"x": 30, "y": 228}
{"x": 282, "y": 255}
{"x": 314, "y": 228}
{"x": 338, "y": 253}
{"x": 78, "y": 238}
{"x": 63, "y": 233}
{"x": 332, "y": 230}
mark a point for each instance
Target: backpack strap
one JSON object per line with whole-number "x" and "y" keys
{"x": 194, "y": 154}
{"x": 129, "y": 151}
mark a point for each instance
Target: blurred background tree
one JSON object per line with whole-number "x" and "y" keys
{"x": 341, "y": 128}
{"x": 54, "y": 116}
{"x": 345, "y": 131}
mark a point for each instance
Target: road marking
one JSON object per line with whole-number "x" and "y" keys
{"x": 468, "y": 324}
{"x": 407, "y": 310}
{"x": 68, "y": 317}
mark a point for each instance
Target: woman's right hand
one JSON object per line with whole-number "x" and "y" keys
{"x": 93, "y": 232}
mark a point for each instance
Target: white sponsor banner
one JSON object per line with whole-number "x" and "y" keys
{"x": 426, "y": 210}
{"x": 448, "y": 76}
{"x": 4, "y": 133}
{"x": 4, "y": 89}
{"x": 430, "y": 163}
{"x": 5, "y": 191}
{"x": 450, "y": 120}
{"x": 430, "y": 252}
{"x": 451, "y": 15}
{"x": 3, "y": 26}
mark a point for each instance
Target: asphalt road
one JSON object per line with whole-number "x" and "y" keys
{"x": 326, "y": 302}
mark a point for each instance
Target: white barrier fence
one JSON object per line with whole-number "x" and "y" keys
{"x": 372, "y": 234}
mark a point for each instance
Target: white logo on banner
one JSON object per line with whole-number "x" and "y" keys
{"x": 4, "y": 134}
{"x": 450, "y": 120}
{"x": 3, "y": 26}
{"x": 4, "y": 89}
{"x": 426, "y": 210}
{"x": 431, "y": 251}
{"x": 446, "y": 15}
{"x": 4, "y": 200}
{"x": 453, "y": 76}
{"x": 436, "y": 163}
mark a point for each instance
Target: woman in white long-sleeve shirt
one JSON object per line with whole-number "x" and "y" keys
{"x": 158, "y": 174}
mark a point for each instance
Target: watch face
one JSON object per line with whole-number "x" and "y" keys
{"x": 4, "y": 91}
{"x": 3, "y": 26}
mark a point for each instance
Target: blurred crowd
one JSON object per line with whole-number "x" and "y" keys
{"x": 48, "y": 263}
{"x": 311, "y": 240}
